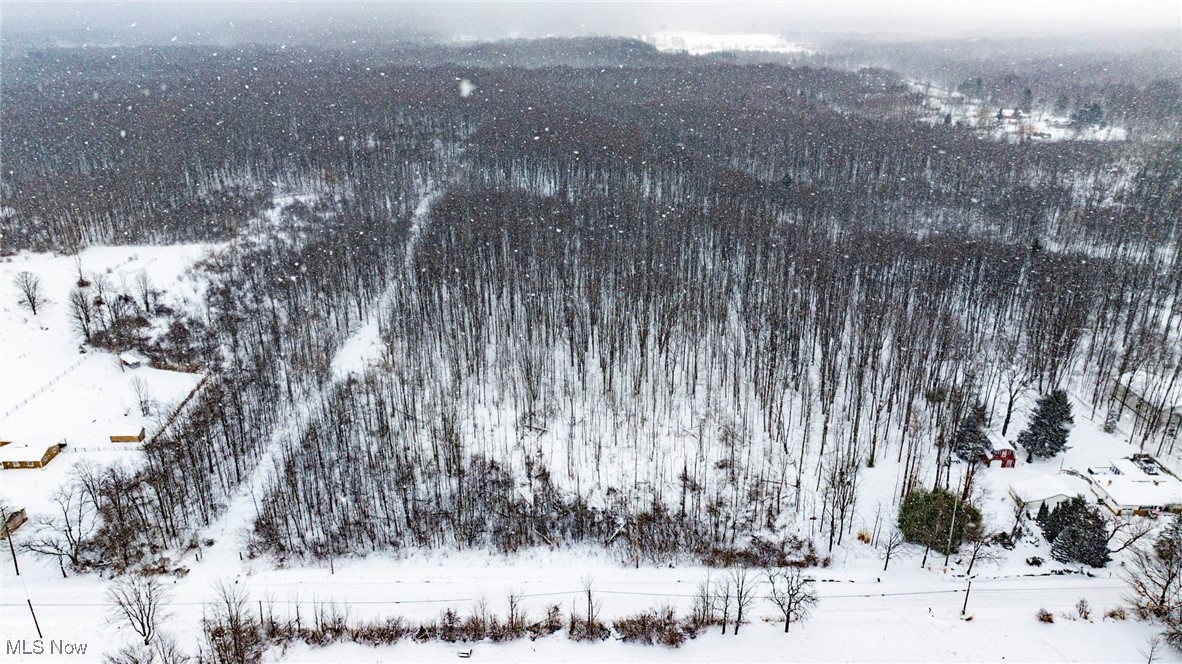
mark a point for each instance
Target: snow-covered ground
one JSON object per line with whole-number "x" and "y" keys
{"x": 906, "y": 613}
{"x": 50, "y": 392}
{"x": 700, "y": 43}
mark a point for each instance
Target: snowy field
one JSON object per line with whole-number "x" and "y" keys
{"x": 701, "y": 43}
{"x": 907, "y": 613}
{"x": 52, "y": 393}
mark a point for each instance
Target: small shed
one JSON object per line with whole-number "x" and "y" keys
{"x": 1049, "y": 490}
{"x": 129, "y": 437}
{"x": 25, "y": 455}
{"x": 1002, "y": 452}
{"x": 130, "y": 360}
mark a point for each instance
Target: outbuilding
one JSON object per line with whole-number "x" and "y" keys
{"x": 1003, "y": 453}
{"x": 26, "y": 455}
{"x": 1049, "y": 490}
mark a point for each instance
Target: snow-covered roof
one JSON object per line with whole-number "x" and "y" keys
{"x": 16, "y": 452}
{"x": 130, "y": 358}
{"x": 1128, "y": 492}
{"x": 1140, "y": 484}
{"x": 998, "y": 444}
{"x": 1126, "y": 467}
{"x": 1042, "y": 487}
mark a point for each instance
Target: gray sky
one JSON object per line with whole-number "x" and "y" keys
{"x": 236, "y": 21}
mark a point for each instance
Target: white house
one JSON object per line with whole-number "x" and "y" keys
{"x": 1137, "y": 485}
{"x": 1049, "y": 490}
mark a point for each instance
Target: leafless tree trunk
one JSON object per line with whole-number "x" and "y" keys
{"x": 745, "y": 584}
{"x": 29, "y": 286}
{"x": 139, "y": 601}
{"x": 889, "y": 545}
{"x": 792, "y": 593}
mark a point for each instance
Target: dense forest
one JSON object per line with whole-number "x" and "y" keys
{"x": 662, "y": 303}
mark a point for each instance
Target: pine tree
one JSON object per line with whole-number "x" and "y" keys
{"x": 1046, "y": 435}
{"x": 1077, "y": 532}
{"x": 970, "y": 442}
{"x": 1085, "y": 540}
{"x": 1064, "y": 514}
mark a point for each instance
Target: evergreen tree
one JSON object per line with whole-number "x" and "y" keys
{"x": 1046, "y": 435}
{"x": 970, "y": 442}
{"x": 1077, "y": 532}
{"x": 1084, "y": 540}
{"x": 936, "y": 519}
{"x": 1064, "y": 514}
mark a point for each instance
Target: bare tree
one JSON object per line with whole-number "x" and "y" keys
{"x": 745, "y": 584}
{"x": 231, "y": 632}
{"x": 703, "y": 612}
{"x": 81, "y": 281}
{"x": 792, "y": 593}
{"x": 82, "y": 312}
{"x": 724, "y": 600}
{"x": 142, "y": 394}
{"x": 978, "y": 543}
{"x": 143, "y": 288}
{"x": 139, "y": 601}
{"x": 1126, "y": 530}
{"x": 1154, "y": 575}
{"x": 64, "y": 536}
{"x": 889, "y": 545}
{"x": 29, "y": 287}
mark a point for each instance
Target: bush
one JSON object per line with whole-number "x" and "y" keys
{"x": 1116, "y": 614}
{"x": 549, "y": 625}
{"x": 654, "y": 626}
{"x": 383, "y": 633}
{"x": 1045, "y": 616}
{"x": 580, "y": 629}
{"x": 1034, "y": 561}
{"x": 759, "y": 552}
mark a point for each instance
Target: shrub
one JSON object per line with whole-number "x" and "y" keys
{"x": 1045, "y": 616}
{"x": 654, "y": 626}
{"x": 383, "y": 633}
{"x": 581, "y": 629}
{"x": 1034, "y": 561}
{"x": 1083, "y": 609}
{"x": 864, "y": 536}
{"x": 1116, "y": 614}
{"x": 548, "y": 625}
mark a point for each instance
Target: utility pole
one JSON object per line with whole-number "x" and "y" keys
{"x": 966, "y": 597}
{"x": 951, "y": 527}
{"x": 35, "y": 623}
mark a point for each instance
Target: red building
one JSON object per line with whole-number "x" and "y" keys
{"x": 1003, "y": 453}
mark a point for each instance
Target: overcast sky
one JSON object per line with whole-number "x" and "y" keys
{"x": 236, "y": 21}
